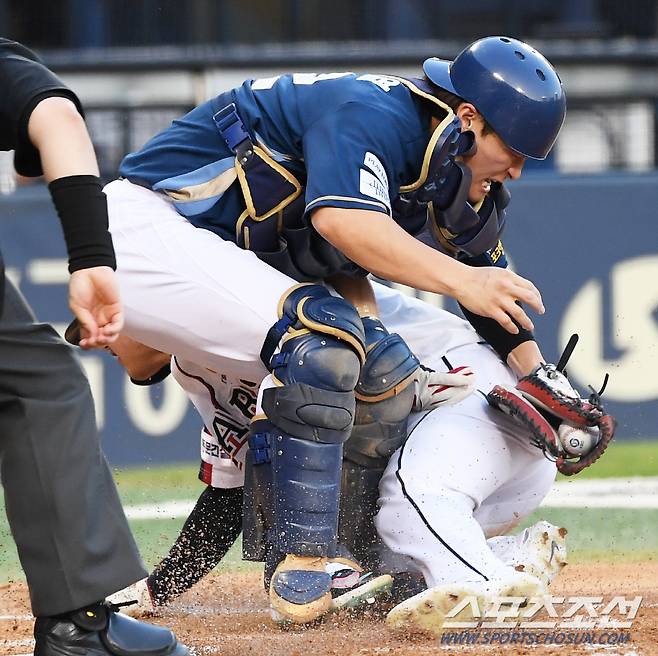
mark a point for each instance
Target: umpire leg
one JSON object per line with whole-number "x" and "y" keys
{"x": 63, "y": 509}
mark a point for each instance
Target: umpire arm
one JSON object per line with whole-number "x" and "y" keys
{"x": 58, "y": 131}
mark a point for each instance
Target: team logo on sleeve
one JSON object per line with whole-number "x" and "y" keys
{"x": 373, "y": 180}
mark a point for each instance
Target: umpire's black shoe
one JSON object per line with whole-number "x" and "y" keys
{"x": 99, "y": 630}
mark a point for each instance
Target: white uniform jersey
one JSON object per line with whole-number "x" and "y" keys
{"x": 226, "y": 405}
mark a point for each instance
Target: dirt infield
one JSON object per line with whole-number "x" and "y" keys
{"x": 226, "y": 615}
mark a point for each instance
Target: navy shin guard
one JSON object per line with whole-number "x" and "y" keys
{"x": 306, "y": 496}
{"x": 310, "y": 414}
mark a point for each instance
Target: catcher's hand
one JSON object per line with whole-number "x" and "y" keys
{"x": 545, "y": 399}
{"x": 433, "y": 389}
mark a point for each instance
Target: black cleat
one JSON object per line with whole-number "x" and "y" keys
{"x": 99, "y": 630}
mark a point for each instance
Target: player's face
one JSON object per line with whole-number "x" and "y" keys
{"x": 493, "y": 160}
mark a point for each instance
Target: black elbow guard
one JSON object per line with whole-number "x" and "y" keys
{"x": 497, "y": 337}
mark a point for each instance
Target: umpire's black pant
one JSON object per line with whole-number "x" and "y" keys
{"x": 63, "y": 509}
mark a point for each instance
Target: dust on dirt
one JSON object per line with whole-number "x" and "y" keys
{"x": 226, "y": 614}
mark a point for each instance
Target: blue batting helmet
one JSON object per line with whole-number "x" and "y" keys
{"x": 513, "y": 86}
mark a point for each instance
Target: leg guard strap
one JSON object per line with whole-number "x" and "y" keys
{"x": 258, "y": 501}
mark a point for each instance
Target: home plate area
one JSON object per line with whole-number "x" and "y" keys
{"x": 227, "y": 614}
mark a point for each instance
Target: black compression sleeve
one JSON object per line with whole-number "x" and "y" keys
{"x": 82, "y": 209}
{"x": 207, "y": 535}
{"x": 496, "y": 336}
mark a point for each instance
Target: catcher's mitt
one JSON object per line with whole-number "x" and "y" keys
{"x": 545, "y": 399}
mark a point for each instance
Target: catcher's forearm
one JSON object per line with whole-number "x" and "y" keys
{"x": 378, "y": 244}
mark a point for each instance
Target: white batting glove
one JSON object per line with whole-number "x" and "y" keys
{"x": 434, "y": 389}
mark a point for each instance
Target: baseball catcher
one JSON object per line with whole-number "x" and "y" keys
{"x": 228, "y": 225}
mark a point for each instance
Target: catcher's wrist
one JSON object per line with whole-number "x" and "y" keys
{"x": 502, "y": 341}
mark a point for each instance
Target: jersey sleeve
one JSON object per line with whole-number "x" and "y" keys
{"x": 25, "y": 82}
{"x": 350, "y": 160}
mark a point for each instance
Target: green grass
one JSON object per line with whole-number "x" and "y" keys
{"x": 594, "y": 534}
{"x": 158, "y": 483}
{"x": 156, "y": 536}
{"x": 605, "y": 534}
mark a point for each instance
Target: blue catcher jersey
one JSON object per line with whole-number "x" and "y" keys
{"x": 350, "y": 140}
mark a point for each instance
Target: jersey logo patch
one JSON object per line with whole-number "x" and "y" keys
{"x": 384, "y": 82}
{"x": 371, "y": 186}
{"x": 375, "y": 165}
{"x": 374, "y": 182}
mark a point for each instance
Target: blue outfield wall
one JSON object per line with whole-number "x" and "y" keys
{"x": 589, "y": 243}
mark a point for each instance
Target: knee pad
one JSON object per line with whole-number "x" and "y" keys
{"x": 310, "y": 414}
{"x": 317, "y": 367}
{"x": 389, "y": 365}
{"x": 384, "y": 396}
{"x": 307, "y": 307}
